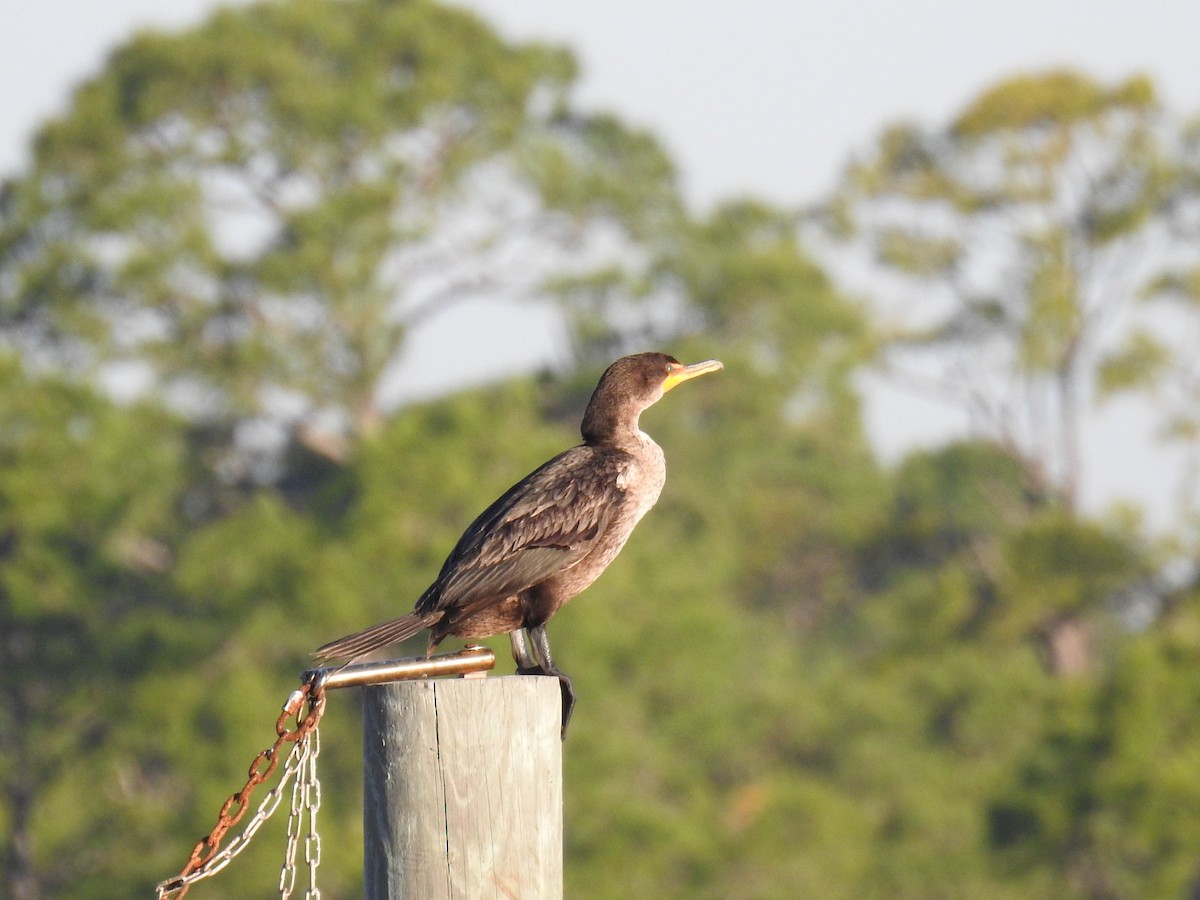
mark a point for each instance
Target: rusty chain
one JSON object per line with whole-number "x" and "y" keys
{"x": 207, "y": 858}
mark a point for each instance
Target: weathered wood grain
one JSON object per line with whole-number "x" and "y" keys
{"x": 463, "y": 789}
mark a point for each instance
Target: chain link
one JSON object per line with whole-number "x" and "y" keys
{"x": 312, "y": 801}
{"x": 287, "y": 875}
{"x": 207, "y": 859}
{"x": 306, "y": 800}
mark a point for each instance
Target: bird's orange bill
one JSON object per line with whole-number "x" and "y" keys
{"x": 695, "y": 370}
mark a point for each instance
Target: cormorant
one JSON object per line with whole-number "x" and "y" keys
{"x": 551, "y": 534}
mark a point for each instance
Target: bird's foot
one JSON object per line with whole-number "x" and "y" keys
{"x": 541, "y": 662}
{"x": 564, "y": 682}
{"x": 568, "y": 700}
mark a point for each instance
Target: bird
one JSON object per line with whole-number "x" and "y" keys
{"x": 550, "y": 535}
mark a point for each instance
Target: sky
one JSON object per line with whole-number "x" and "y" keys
{"x": 763, "y": 97}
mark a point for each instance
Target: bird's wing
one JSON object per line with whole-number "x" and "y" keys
{"x": 544, "y": 524}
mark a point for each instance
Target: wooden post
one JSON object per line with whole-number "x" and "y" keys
{"x": 463, "y": 789}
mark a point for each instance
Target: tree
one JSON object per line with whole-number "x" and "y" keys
{"x": 247, "y": 218}
{"x": 805, "y": 675}
{"x": 88, "y": 494}
{"x": 692, "y": 641}
{"x": 1100, "y": 799}
{"x": 1012, "y": 243}
{"x": 1158, "y": 357}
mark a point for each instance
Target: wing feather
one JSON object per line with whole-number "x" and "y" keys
{"x": 544, "y": 524}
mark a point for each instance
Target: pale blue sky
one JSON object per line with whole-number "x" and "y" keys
{"x": 766, "y": 96}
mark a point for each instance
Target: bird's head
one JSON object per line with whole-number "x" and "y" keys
{"x": 633, "y": 384}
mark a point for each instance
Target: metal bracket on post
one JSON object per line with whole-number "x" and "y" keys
{"x": 468, "y": 661}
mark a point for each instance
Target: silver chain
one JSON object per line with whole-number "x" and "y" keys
{"x": 306, "y": 799}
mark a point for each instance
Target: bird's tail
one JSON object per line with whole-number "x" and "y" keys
{"x": 352, "y": 646}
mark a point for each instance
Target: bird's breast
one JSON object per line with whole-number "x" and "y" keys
{"x": 638, "y": 476}
{"x": 641, "y": 479}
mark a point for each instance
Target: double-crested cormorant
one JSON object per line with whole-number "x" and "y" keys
{"x": 551, "y": 534}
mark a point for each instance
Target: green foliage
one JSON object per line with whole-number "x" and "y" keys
{"x": 87, "y": 528}
{"x": 794, "y": 678}
{"x": 1182, "y": 285}
{"x": 1138, "y": 364}
{"x": 1057, "y": 568}
{"x": 1103, "y": 795}
{"x": 805, "y": 675}
{"x": 770, "y": 304}
{"x": 917, "y": 254}
{"x": 1050, "y": 99}
{"x": 1051, "y": 330}
{"x": 1018, "y": 232}
{"x": 275, "y": 195}
{"x": 1159, "y": 361}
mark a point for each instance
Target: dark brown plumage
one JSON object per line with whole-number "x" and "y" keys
{"x": 551, "y": 534}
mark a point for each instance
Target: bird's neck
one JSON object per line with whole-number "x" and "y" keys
{"x": 619, "y": 433}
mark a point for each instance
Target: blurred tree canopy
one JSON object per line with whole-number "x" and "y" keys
{"x": 247, "y": 217}
{"x": 1017, "y": 240}
{"x": 807, "y": 675}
